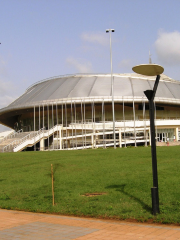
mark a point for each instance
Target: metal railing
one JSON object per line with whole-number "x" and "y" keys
{"x": 31, "y": 135}
{"x": 34, "y": 135}
{"x": 15, "y": 142}
{"x": 11, "y": 135}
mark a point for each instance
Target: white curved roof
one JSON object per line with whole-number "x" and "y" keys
{"x": 88, "y": 86}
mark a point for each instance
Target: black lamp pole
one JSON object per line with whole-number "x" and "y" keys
{"x": 150, "y": 94}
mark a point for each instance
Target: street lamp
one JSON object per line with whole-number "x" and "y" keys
{"x": 152, "y": 70}
{"x": 112, "y": 86}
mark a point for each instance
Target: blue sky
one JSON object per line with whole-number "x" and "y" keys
{"x": 46, "y": 38}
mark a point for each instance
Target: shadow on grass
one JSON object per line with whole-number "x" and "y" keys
{"x": 121, "y": 187}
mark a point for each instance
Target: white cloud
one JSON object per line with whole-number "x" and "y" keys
{"x": 126, "y": 63}
{"x": 81, "y": 67}
{"x": 168, "y": 47}
{"x": 97, "y": 38}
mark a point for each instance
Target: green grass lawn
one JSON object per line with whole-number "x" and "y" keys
{"x": 125, "y": 175}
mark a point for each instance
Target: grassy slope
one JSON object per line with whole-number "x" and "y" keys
{"x": 124, "y": 174}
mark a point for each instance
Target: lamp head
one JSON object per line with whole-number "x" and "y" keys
{"x": 148, "y": 69}
{"x": 110, "y": 30}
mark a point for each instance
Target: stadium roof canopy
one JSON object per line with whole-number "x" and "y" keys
{"x": 95, "y": 86}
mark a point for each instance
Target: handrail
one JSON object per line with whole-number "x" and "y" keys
{"x": 15, "y": 141}
{"x": 37, "y": 133}
{"x": 16, "y": 133}
{"x": 6, "y": 137}
{"x": 29, "y": 136}
{"x": 11, "y": 135}
{"x": 88, "y": 121}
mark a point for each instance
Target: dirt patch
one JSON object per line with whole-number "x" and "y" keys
{"x": 94, "y": 194}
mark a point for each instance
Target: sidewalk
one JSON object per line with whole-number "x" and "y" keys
{"x": 35, "y": 226}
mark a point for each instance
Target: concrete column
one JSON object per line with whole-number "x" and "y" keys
{"x": 42, "y": 144}
{"x": 176, "y": 134}
{"x": 68, "y": 140}
{"x": 120, "y": 144}
{"x": 97, "y": 137}
{"x": 60, "y": 139}
{"x": 92, "y": 140}
{"x": 34, "y": 127}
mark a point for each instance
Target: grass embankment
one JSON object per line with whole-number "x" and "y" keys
{"x": 124, "y": 174}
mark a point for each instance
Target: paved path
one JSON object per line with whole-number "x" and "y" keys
{"x": 35, "y": 226}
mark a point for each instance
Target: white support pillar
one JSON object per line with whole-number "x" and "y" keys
{"x": 144, "y": 121}
{"x": 68, "y": 141}
{"x": 72, "y": 124}
{"x": 120, "y": 143}
{"x": 92, "y": 141}
{"x": 75, "y": 122}
{"x": 34, "y": 127}
{"x": 124, "y": 125}
{"x": 62, "y": 111}
{"x": 42, "y": 144}
{"x": 82, "y": 124}
{"x": 94, "y": 126}
{"x": 176, "y": 134}
{"x": 43, "y": 120}
{"x": 85, "y": 123}
{"x": 60, "y": 138}
{"x": 57, "y": 124}
{"x": 103, "y": 123}
{"x": 53, "y": 124}
{"x": 66, "y": 124}
{"x": 48, "y": 123}
{"x": 134, "y": 114}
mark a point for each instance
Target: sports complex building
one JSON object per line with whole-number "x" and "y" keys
{"x": 75, "y": 112}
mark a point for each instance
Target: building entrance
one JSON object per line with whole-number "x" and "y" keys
{"x": 162, "y": 137}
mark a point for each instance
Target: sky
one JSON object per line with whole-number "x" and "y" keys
{"x": 46, "y": 38}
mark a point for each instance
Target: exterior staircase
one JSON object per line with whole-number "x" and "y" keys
{"x": 29, "y": 140}
{"x": 8, "y": 143}
{"x": 19, "y": 141}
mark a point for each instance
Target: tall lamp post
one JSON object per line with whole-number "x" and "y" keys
{"x": 152, "y": 70}
{"x": 112, "y": 86}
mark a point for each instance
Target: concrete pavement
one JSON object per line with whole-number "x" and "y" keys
{"x": 36, "y": 226}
